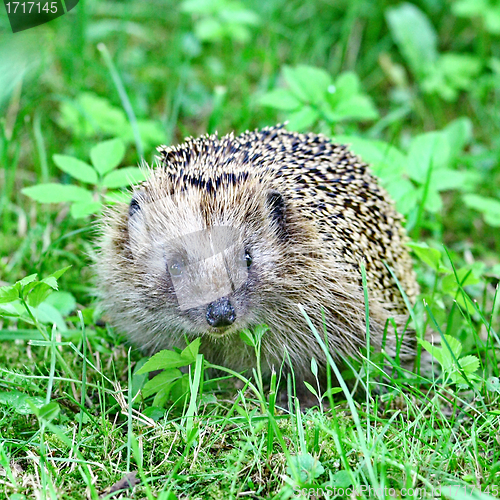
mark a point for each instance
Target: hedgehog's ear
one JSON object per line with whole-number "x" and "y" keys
{"x": 276, "y": 205}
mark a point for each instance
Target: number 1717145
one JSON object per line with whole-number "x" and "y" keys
{"x": 31, "y": 7}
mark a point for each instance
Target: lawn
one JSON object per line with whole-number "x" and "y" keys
{"x": 413, "y": 88}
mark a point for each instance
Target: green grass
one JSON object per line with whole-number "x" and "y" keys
{"x": 424, "y": 114}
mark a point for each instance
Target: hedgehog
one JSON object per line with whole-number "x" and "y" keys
{"x": 228, "y": 233}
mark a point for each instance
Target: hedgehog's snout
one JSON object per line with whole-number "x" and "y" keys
{"x": 220, "y": 313}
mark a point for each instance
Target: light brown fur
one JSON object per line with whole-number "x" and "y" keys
{"x": 334, "y": 216}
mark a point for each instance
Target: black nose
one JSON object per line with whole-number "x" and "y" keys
{"x": 220, "y": 313}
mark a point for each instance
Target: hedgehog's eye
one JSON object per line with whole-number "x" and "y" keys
{"x": 176, "y": 268}
{"x": 248, "y": 259}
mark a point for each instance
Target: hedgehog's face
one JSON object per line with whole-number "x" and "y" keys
{"x": 206, "y": 262}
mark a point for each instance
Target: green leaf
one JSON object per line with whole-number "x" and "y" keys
{"x": 302, "y": 119}
{"x": 415, "y": 37}
{"x": 64, "y": 302}
{"x": 8, "y": 294}
{"x": 107, "y": 155}
{"x": 112, "y": 197}
{"x": 451, "y": 73}
{"x": 38, "y": 294}
{"x": 209, "y": 29}
{"x": 163, "y": 360}
{"x": 27, "y": 279}
{"x": 308, "y": 84}
{"x": 21, "y": 403}
{"x": 309, "y": 468}
{"x": 76, "y": 168}
{"x": 454, "y": 346}
{"x": 57, "y": 193}
{"x": 47, "y": 412}
{"x": 465, "y": 276}
{"x": 123, "y": 177}
{"x": 341, "y": 479}
{"x": 344, "y": 100}
{"x": 247, "y": 337}
{"x": 358, "y": 107}
{"x": 458, "y": 133}
{"x": 12, "y": 310}
{"x": 332, "y": 391}
{"x": 161, "y": 382}
{"x": 431, "y": 256}
{"x": 57, "y": 274}
{"x": 311, "y": 388}
{"x": 434, "y": 351}
{"x": 429, "y": 150}
{"x": 281, "y": 99}
{"x": 469, "y": 364}
{"x": 314, "y": 367}
{"x": 191, "y": 351}
{"x": 49, "y": 315}
{"x": 489, "y": 207}
{"x": 84, "y": 209}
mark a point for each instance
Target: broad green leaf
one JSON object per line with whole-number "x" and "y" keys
{"x": 309, "y": 84}
{"x": 281, "y": 99}
{"x": 76, "y": 168}
{"x": 27, "y": 280}
{"x": 489, "y": 207}
{"x": 21, "y": 403}
{"x": 456, "y": 349}
{"x": 57, "y": 193}
{"x": 465, "y": 276}
{"x": 314, "y": 367}
{"x": 238, "y": 15}
{"x": 347, "y": 85}
{"x": 311, "y": 388}
{"x": 48, "y": 412}
{"x": 450, "y": 74}
{"x": 433, "y": 350}
{"x": 107, "y": 155}
{"x": 209, "y": 29}
{"x": 8, "y": 294}
{"x": 84, "y": 209}
{"x": 64, "y": 302}
{"x": 247, "y": 337}
{"x": 49, "y": 315}
{"x": 123, "y": 177}
{"x": 458, "y": 134}
{"x": 162, "y": 381}
{"x": 39, "y": 293}
{"x": 302, "y": 119}
{"x": 359, "y": 107}
{"x": 12, "y": 310}
{"x": 191, "y": 351}
{"x": 57, "y": 274}
{"x": 118, "y": 197}
{"x": 415, "y": 37}
{"x": 429, "y": 150}
{"x": 308, "y": 467}
{"x": 469, "y": 364}
{"x": 90, "y": 114}
{"x": 332, "y": 391}
{"x": 446, "y": 179}
{"x": 163, "y": 360}
{"x": 431, "y": 256}
{"x": 341, "y": 479}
